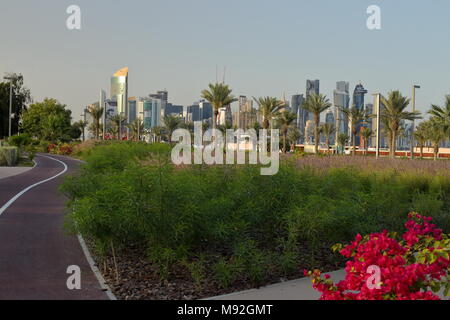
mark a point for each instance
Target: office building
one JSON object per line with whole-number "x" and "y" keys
{"x": 341, "y": 97}
{"x": 119, "y": 91}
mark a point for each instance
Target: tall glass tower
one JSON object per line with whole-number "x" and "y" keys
{"x": 119, "y": 91}
{"x": 341, "y": 100}
{"x": 358, "y": 102}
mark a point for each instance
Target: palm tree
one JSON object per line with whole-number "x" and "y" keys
{"x": 114, "y": 131}
{"x": 420, "y": 136}
{"x": 316, "y": 104}
{"x": 219, "y": 95}
{"x": 342, "y": 140}
{"x": 96, "y": 113}
{"x": 118, "y": 120}
{"x": 171, "y": 123}
{"x": 269, "y": 108}
{"x": 157, "y": 133}
{"x": 435, "y": 134}
{"x": 293, "y": 135}
{"x": 354, "y": 116}
{"x": 392, "y": 115}
{"x": 441, "y": 115}
{"x": 366, "y": 134}
{"x": 285, "y": 121}
{"x": 327, "y": 129}
{"x": 82, "y": 125}
{"x": 135, "y": 129}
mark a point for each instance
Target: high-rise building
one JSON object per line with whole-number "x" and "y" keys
{"x": 206, "y": 111}
{"x": 358, "y": 96}
{"x": 330, "y": 119}
{"x": 297, "y": 102}
{"x": 341, "y": 101}
{"x": 152, "y": 112}
{"x": 244, "y": 116}
{"x": 119, "y": 91}
{"x": 192, "y": 113}
{"x": 312, "y": 87}
{"x": 358, "y": 103}
{"x": 132, "y": 109}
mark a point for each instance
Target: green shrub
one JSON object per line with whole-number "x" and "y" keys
{"x": 9, "y": 156}
{"x": 246, "y": 224}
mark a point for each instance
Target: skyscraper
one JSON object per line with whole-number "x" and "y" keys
{"x": 358, "y": 102}
{"x": 312, "y": 87}
{"x": 358, "y": 96}
{"x": 119, "y": 90}
{"x": 341, "y": 100}
{"x": 297, "y": 102}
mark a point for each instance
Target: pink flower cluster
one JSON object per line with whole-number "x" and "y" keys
{"x": 412, "y": 269}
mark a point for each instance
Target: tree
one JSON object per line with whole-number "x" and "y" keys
{"x": 342, "y": 140}
{"x": 78, "y": 129}
{"x": 48, "y": 120}
{"x": 219, "y": 95}
{"x": 441, "y": 116}
{"x": 285, "y": 121}
{"x": 293, "y": 136}
{"x": 136, "y": 128}
{"x": 327, "y": 129}
{"x": 421, "y": 136}
{"x": 366, "y": 135}
{"x": 354, "y": 116}
{"x": 269, "y": 109}
{"x": 157, "y": 132}
{"x": 96, "y": 113}
{"x": 392, "y": 115}
{"x": 171, "y": 123}
{"x": 118, "y": 121}
{"x": 435, "y": 133}
{"x": 21, "y": 98}
{"x": 316, "y": 104}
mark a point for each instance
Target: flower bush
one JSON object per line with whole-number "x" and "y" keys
{"x": 60, "y": 149}
{"x": 415, "y": 267}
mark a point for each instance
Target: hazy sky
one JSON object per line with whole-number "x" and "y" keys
{"x": 268, "y": 46}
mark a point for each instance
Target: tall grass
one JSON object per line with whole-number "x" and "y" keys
{"x": 247, "y": 225}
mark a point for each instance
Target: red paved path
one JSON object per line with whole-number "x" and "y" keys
{"x": 35, "y": 250}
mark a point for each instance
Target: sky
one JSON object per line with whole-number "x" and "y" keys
{"x": 269, "y": 47}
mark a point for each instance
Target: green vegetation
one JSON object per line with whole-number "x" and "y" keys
{"x": 9, "y": 156}
{"x": 233, "y": 224}
{"x": 49, "y": 121}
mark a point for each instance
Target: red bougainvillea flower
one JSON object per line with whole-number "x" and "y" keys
{"x": 411, "y": 269}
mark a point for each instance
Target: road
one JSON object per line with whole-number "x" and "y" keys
{"x": 35, "y": 250}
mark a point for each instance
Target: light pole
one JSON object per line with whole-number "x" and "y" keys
{"x": 413, "y": 121}
{"x": 11, "y": 78}
{"x": 139, "y": 126}
{"x": 84, "y": 123}
{"x": 120, "y": 125}
{"x": 378, "y": 110}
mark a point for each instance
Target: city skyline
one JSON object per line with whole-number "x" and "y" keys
{"x": 185, "y": 59}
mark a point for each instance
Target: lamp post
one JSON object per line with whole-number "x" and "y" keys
{"x": 11, "y": 78}
{"x": 413, "y": 122}
{"x": 84, "y": 123}
{"x": 139, "y": 126}
{"x": 377, "y": 98}
{"x": 120, "y": 125}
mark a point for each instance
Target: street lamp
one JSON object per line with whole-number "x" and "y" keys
{"x": 413, "y": 121}
{"x": 11, "y": 78}
{"x": 139, "y": 126}
{"x": 377, "y": 102}
{"x": 84, "y": 122}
